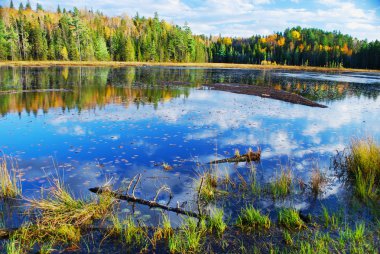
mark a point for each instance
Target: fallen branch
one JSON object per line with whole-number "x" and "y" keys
{"x": 129, "y": 198}
{"x": 248, "y": 157}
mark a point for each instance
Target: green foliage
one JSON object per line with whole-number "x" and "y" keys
{"x": 93, "y": 36}
{"x": 251, "y": 218}
{"x": 282, "y": 184}
{"x": 290, "y": 219}
{"x": 216, "y": 222}
{"x": 363, "y": 168}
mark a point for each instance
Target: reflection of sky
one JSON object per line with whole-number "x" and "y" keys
{"x": 118, "y": 142}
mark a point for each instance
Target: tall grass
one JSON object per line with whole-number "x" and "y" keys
{"x": 282, "y": 184}
{"x": 10, "y": 184}
{"x": 60, "y": 207}
{"x": 363, "y": 168}
{"x": 216, "y": 222}
{"x": 290, "y": 219}
{"x": 318, "y": 181}
{"x": 59, "y": 219}
{"x": 251, "y": 218}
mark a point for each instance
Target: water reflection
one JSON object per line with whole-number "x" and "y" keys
{"x": 115, "y": 123}
{"x": 81, "y": 88}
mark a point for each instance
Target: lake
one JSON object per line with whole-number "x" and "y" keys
{"x": 91, "y": 125}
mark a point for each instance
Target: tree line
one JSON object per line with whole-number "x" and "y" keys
{"x": 28, "y": 33}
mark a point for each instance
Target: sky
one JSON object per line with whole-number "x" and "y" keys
{"x": 243, "y": 18}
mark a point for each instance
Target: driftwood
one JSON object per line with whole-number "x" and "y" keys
{"x": 248, "y": 157}
{"x": 265, "y": 92}
{"x": 150, "y": 203}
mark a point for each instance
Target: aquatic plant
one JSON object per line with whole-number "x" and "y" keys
{"x": 216, "y": 222}
{"x": 60, "y": 207}
{"x": 251, "y": 218}
{"x": 207, "y": 186}
{"x": 318, "y": 181}
{"x": 10, "y": 184}
{"x": 282, "y": 184}
{"x": 188, "y": 238}
{"x": 362, "y": 166}
{"x": 163, "y": 230}
{"x": 59, "y": 219}
{"x": 290, "y": 219}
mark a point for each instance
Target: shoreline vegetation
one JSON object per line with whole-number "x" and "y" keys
{"x": 116, "y": 64}
{"x": 61, "y": 222}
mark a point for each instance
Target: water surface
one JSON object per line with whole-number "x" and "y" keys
{"x": 95, "y": 124}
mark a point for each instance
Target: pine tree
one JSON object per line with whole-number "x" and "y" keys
{"x": 11, "y": 5}
{"x": 101, "y": 52}
{"x": 130, "y": 50}
{"x": 28, "y": 6}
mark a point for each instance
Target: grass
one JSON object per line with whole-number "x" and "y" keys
{"x": 216, "y": 223}
{"x": 251, "y": 218}
{"x": 188, "y": 238}
{"x": 363, "y": 168}
{"x": 318, "y": 181}
{"x": 173, "y": 64}
{"x": 60, "y": 207}
{"x": 10, "y": 184}
{"x": 282, "y": 184}
{"x": 290, "y": 219}
{"x": 208, "y": 190}
{"x": 59, "y": 219}
{"x": 163, "y": 231}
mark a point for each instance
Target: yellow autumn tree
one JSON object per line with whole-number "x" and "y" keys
{"x": 295, "y": 35}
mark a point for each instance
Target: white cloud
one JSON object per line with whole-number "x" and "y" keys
{"x": 244, "y": 18}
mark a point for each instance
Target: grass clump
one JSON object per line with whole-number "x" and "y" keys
{"x": 188, "y": 238}
{"x": 10, "y": 184}
{"x": 60, "y": 207}
{"x": 216, "y": 222}
{"x": 282, "y": 185}
{"x": 290, "y": 219}
{"x": 318, "y": 181}
{"x": 208, "y": 186}
{"x": 251, "y": 218}
{"x": 363, "y": 168}
{"x": 59, "y": 219}
{"x": 330, "y": 220}
{"x": 164, "y": 230}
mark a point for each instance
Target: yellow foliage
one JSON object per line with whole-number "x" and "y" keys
{"x": 345, "y": 50}
{"x": 227, "y": 41}
{"x": 263, "y": 40}
{"x": 107, "y": 32}
{"x": 271, "y": 38}
{"x": 281, "y": 41}
{"x": 301, "y": 47}
{"x": 295, "y": 34}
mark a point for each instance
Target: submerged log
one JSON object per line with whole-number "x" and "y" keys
{"x": 150, "y": 203}
{"x": 265, "y": 92}
{"x": 248, "y": 157}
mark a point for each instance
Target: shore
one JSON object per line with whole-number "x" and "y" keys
{"x": 170, "y": 64}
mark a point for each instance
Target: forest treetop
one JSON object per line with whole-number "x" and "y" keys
{"x": 28, "y": 33}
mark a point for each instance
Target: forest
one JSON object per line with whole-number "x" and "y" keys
{"x": 32, "y": 33}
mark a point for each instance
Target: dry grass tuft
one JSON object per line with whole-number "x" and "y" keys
{"x": 10, "y": 184}
{"x": 318, "y": 181}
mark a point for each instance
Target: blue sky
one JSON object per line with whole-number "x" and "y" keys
{"x": 243, "y": 18}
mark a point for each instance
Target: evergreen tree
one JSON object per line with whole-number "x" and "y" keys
{"x": 28, "y": 6}
{"x": 11, "y": 5}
